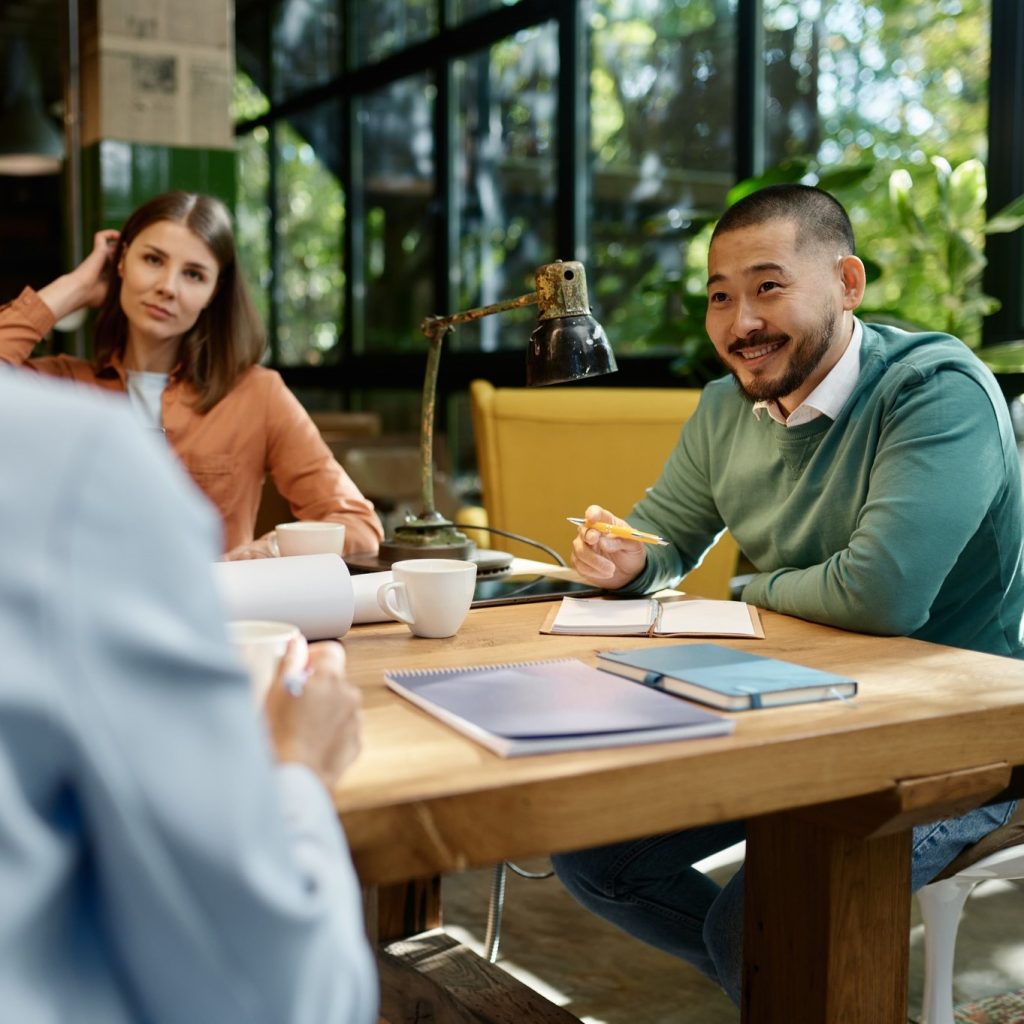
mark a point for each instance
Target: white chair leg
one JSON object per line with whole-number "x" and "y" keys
{"x": 941, "y": 905}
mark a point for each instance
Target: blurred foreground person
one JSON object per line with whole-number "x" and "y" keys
{"x": 155, "y": 863}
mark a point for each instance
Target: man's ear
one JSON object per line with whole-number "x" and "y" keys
{"x": 854, "y": 279}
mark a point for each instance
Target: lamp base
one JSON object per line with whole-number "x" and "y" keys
{"x": 489, "y": 564}
{"x": 428, "y": 536}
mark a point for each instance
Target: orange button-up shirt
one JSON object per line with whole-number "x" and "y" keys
{"x": 258, "y": 427}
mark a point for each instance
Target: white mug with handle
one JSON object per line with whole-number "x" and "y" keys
{"x": 308, "y": 537}
{"x": 430, "y": 595}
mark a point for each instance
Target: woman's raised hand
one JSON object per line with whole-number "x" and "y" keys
{"x": 87, "y": 284}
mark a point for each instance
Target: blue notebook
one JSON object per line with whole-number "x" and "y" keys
{"x": 726, "y": 678}
{"x": 539, "y": 707}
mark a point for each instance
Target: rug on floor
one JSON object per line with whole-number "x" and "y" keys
{"x": 1004, "y": 1009}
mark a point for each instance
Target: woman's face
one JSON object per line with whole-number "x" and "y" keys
{"x": 168, "y": 277}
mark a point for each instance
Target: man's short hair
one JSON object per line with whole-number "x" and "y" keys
{"x": 819, "y": 217}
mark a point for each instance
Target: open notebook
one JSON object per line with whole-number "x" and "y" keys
{"x": 538, "y": 707}
{"x": 653, "y": 616}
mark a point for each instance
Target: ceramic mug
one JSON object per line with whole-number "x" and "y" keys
{"x": 430, "y": 595}
{"x": 260, "y": 644}
{"x": 308, "y": 537}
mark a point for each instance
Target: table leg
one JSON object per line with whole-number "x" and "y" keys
{"x": 398, "y": 911}
{"x": 827, "y": 931}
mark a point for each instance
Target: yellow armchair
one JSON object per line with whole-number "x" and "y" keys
{"x": 546, "y": 453}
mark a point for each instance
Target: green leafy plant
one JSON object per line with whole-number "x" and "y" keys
{"x": 947, "y": 232}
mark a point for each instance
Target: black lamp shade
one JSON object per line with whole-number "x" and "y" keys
{"x": 567, "y": 348}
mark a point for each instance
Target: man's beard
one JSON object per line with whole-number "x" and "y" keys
{"x": 806, "y": 352}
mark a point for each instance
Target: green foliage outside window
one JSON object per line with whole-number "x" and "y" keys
{"x": 874, "y": 90}
{"x": 868, "y": 88}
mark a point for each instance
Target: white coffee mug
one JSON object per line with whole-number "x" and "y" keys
{"x": 430, "y": 595}
{"x": 308, "y": 537}
{"x": 261, "y": 644}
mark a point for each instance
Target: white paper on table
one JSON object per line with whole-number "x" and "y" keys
{"x": 312, "y": 591}
{"x": 364, "y": 590}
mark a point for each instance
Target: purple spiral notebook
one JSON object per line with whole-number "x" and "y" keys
{"x": 539, "y": 707}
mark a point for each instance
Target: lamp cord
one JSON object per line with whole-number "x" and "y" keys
{"x": 559, "y": 560}
{"x": 496, "y": 901}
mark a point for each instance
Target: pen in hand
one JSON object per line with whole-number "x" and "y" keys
{"x": 615, "y": 530}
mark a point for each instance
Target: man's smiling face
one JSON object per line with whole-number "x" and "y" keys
{"x": 775, "y": 310}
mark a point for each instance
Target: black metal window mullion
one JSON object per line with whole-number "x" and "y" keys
{"x": 273, "y": 240}
{"x": 749, "y": 79}
{"x": 446, "y": 201}
{"x": 353, "y": 181}
{"x": 1004, "y": 275}
{"x": 571, "y": 234}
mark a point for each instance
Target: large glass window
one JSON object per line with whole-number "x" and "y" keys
{"x": 252, "y": 209}
{"x": 887, "y": 87}
{"x": 507, "y": 192}
{"x": 407, "y": 157}
{"x": 397, "y": 146}
{"x": 308, "y": 43}
{"x": 462, "y": 9}
{"x": 310, "y": 279}
{"x": 383, "y": 27}
{"x": 663, "y": 140}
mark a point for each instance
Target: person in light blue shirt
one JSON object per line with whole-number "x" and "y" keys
{"x": 157, "y": 863}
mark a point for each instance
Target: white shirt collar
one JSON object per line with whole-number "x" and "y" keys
{"x": 828, "y": 398}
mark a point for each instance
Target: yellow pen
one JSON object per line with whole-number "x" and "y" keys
{"x": 625, "y": 532}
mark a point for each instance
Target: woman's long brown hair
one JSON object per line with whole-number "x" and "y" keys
{"x": 228, "y": 337}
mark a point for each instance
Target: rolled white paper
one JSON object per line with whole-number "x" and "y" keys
{"x": 312, "y": 591}
{"x": 364, "y": 590}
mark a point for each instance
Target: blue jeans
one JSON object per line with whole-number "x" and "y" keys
{"x": 649, "y": 889}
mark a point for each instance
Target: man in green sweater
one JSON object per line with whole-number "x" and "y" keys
{"x": 872, "y": 478}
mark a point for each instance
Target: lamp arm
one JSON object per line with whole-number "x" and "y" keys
{"x": 436, "y": 329}
{"x": 429, "y": 325}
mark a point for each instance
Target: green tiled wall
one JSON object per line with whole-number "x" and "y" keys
{"x": 119, "y": 176}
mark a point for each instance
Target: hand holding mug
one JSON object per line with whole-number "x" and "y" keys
{"x": 320, "y": 726}
{"x": 262, "y": 646}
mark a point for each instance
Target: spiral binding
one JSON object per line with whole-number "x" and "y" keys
{"x": 419, "y": 673}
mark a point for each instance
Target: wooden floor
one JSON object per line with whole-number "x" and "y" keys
{"x": 600, "y": 975}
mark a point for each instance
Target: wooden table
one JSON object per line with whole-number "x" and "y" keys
{"x": 830, "y": 790}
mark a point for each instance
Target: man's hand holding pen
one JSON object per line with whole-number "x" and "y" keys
{"x": 605, "y": 561}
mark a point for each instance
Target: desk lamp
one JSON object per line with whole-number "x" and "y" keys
{"x": 567, "y": 344}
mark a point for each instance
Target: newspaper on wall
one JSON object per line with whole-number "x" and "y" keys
{"x": 162, "y": 71}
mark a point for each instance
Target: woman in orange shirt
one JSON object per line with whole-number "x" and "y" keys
{"x": 177, "y": 332}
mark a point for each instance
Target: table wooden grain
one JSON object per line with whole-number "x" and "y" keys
{"x": 830, "y": 791}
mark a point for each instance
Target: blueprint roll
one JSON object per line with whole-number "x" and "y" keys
{"x": 364, "y": 591}
{"x": 312, "y": 591}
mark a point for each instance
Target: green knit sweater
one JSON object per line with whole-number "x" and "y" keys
{"x": 901, "y": 517}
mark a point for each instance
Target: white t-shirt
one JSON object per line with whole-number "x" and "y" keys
{"x": 146, "y": 392}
